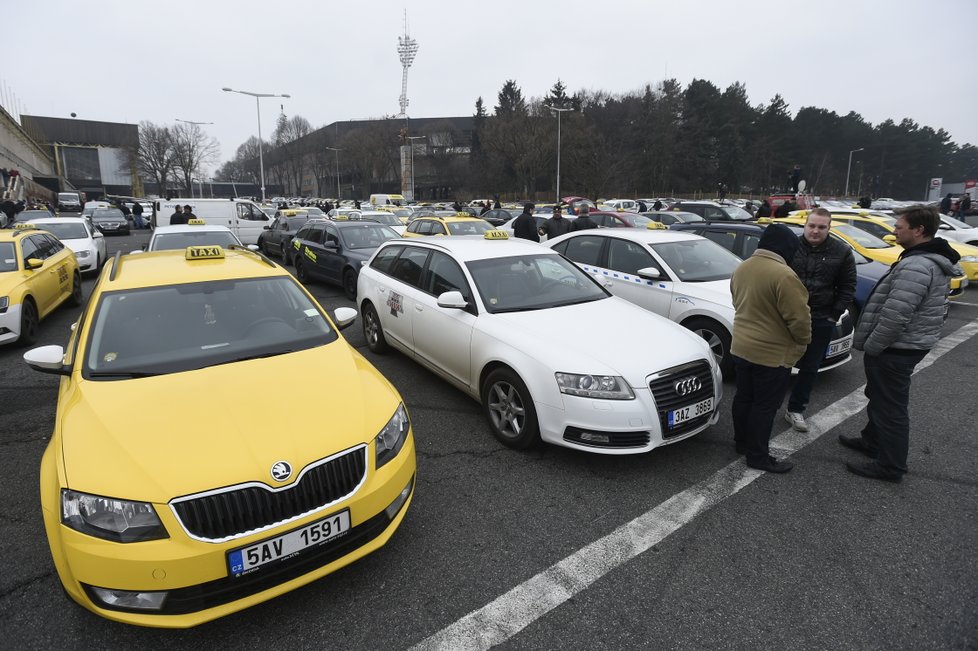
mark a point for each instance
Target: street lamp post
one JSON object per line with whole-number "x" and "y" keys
{"x": 849, "y": 168}
{"x": 337, "y": 152}
{"x": 413, "y": 138}
{"x": 191, "y": 180}
{"x": 261, "y": 156}
{"x": 558, "y": 111}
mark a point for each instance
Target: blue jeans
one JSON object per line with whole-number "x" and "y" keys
{"x": 760, "y": 391}
{"x": 809, "y": 363}
{"x": 888, "y": 389}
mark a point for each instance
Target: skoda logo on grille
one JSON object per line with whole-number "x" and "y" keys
{"x": 281, "y": 471}
{"x": 687, "y": 385}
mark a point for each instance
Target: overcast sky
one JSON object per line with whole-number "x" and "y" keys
{"x": 128, "y": 61}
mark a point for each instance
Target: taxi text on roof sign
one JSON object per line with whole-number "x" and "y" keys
{"x": 204, "y": 252}
{"x": 23, "y": 226}
{"x": 196, "y": 222}
{"x": 656, "y": 226}
{"x": 496, "y": 235}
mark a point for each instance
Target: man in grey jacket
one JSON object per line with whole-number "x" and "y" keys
{"x": 900, "y": 323}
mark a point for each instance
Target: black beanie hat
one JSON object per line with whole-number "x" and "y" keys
{"x": 780, "y": 239}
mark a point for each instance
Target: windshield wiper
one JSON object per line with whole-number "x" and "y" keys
{"x": 245, "y": 358}
{"x": 123, "y": 375}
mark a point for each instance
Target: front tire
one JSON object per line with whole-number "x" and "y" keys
{"x": 76, "y": 291}
{"x": 509, "y": 409}
{"x": 300, "y": 271}
{"x": 719, "y": 340}
{"x": 373, "y": 331}
{"x": 29, "y": 322}
{"x": 350, "y": 284}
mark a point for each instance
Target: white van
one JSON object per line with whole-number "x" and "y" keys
{"x": 387, "y": 200}
{"x": 243, "y": 216}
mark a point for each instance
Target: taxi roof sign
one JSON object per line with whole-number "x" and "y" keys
{"x": 25, "y": 226}
{"x": 496, "y": 234}
{"x": 196, "y": 222}
{"x": 204, "y": 253}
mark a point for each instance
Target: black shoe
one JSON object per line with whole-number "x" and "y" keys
{"x": 771, "y": 465}
{"x": 873, "y": 471}
{"x": 857, "y": 443}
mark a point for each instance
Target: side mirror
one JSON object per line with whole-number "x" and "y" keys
{"x": 649, "y": 273}
{"x": 332, "y": 246}
{"x": 47, "y": 359}
{"x": 890, "y": 239}
{"x": 944, "y": 227}
{"x": 266, "y": 228}
{"x": 344, "y": 316}
{"x": 253, "y": 247}
{"x": 452, "y": 299}
{"x": 34, "y": 263}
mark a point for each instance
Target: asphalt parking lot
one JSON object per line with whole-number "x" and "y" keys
{"x": 551, "y": 548}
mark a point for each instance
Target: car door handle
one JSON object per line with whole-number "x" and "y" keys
{"x": 382, "y": 290}
{"x": 608, "y": 283}
{"x": 419, "y": 307}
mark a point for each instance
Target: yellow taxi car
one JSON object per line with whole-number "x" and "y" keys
{"x": 871, "y": 246}
{"x": 177, "y": 510}
{"x": 37, "y": 274}
{"x": 882, "y": 227}
{"x": 460, "y": 224}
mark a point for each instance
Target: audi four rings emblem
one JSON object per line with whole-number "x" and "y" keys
{"x": 281, "y": 471}
{"x": 687, "y": 385}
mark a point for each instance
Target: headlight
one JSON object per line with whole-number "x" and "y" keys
{"x": 83, "y": 254}
{"x": 110, "y": 519}
{"x": 608, "y": 387}
{"x": 391, "y": 439}
{"x": 4, "y": 303}
{"x": 969, "y": 258}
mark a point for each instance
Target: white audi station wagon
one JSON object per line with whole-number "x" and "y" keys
{"x": 548, "y": 351}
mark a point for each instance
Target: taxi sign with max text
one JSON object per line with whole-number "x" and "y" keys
{"x": 196, "y": 222}
{"x": 496, "y": 234}
{"x": 204, "y": 252}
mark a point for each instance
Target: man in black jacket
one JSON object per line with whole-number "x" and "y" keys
{"x": 827, "y": 268}
{"x": 556, "y": 225}
{"x": 583, "y": 221}
{"x": 525, "y": 226}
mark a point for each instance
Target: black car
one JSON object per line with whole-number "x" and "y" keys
{"x": 332, "y": 251}
{"x": 498, "y": 216}
{"x": 110, "y": 221}
{"x": 277, "y": 236}
{"x": 670, "y": 217}
{"x": 713, "y": 211}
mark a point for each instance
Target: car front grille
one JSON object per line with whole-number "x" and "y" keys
{"x": 667, "y": 398}
{"x": 216, "y": 516}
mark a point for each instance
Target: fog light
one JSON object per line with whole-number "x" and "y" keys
{"x": 399, "y": 501}
{"x": 130, "y": 599}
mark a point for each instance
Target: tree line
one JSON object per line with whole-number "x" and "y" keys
{"x": 172, "y": 155}
{"x": 661, "y": 141}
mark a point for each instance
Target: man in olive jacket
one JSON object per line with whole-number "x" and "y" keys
{"x": 772, "y": 328}
{"x": 900, "y": 323}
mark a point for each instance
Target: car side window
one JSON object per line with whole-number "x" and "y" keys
{"x": 315, "y": 235}
{"x": 55, "y": 244}
{"x": 444, "y": 275}
{"x": 332, "y": 236}
{"x": 628, "y": 257}
{"x": 414, "y": 226}
{"x": 385, "y": 258}
{"x": 424, "y": 227}
{"x": 714, "y": 213}
{"x": 750, "y": 245}
{"x": 585, "y": 249}
{"x": 409, "y": 265}
{"x": 28, "y": 249}
{"x": 726, "y": 240}
{"x": 44, "y": 248}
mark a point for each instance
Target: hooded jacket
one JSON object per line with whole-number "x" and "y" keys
{"x": 905, "y": 311}
{"x": 772, "y": 321}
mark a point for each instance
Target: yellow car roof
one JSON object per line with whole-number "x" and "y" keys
{"x": 172, "y": 267}
{"x": 449, "y": 220}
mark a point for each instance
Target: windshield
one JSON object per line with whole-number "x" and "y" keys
{"x": 532, "y": 282}
{"x": 366, "y": 236}
{"x": 172, "y": 241}
{"x": 697, "y": 260}
{"x": 295, "y": 223}
{"x": 8, "y": 257}
{"x": 107, "y": 213}
{"x": 736, "y": 212}
{"x": 313, "y": 211}
{"x": 640, "y": 221}
{"x": 175, "y": 328}
{"x": 860, "y": 237}
{"x": 68, "y": 197}
{"x": 474, "y": 227}
{"x": 69, "y": 231}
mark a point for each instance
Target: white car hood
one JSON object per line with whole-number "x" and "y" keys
{"x": 604, "y": 337}
{"x": 81, "y": 244}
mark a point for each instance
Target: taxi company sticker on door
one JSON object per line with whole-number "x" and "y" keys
{"x": 395, "y": 303}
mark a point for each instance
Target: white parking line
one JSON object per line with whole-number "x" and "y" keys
{"x": 513, "y": 611}
{"x": 963, "y": 303}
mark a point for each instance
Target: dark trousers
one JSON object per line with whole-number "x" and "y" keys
{"x": 809, "y": 363}
{"x": 888, "y": 390}
{"x": 760, "y": 391}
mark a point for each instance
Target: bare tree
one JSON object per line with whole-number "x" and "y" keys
{"x": 155, "y": 154}
{"x": 291, "y": 153}
{"x": 192, "y": 148}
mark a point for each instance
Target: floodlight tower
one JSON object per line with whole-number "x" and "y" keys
{"x": 407, "y": 48}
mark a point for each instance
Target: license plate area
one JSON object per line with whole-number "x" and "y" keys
{"x": 689, "y": 412}
{"x": 251, "y": 558}
{"x": 839, "y": 347}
